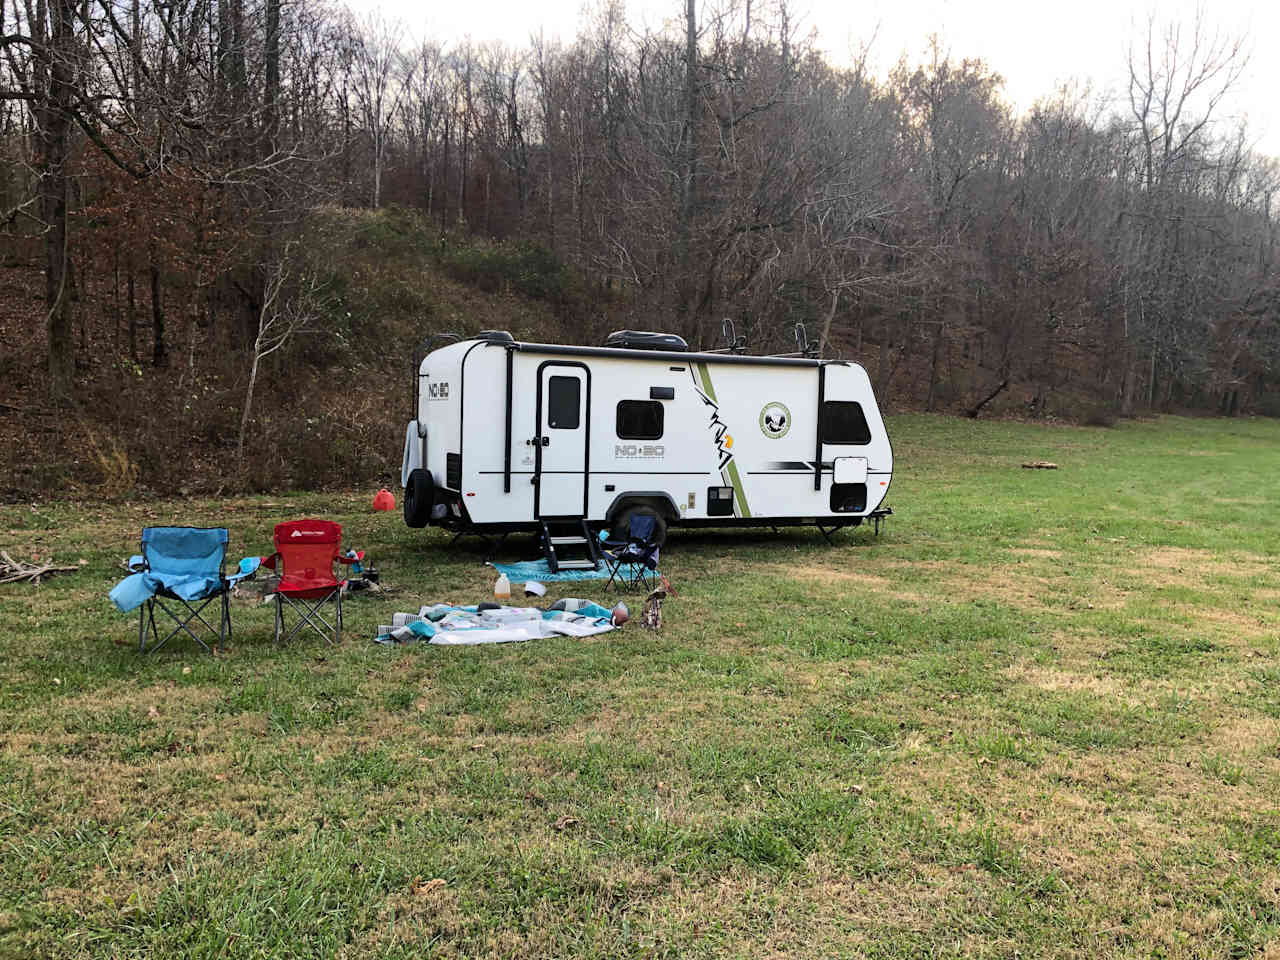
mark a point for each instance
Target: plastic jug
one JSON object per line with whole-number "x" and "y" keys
{"x": 502, "y": 589}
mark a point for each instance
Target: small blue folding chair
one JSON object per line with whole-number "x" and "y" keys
{"x": 182, "y": 565}
{"x": 633, "y": 561}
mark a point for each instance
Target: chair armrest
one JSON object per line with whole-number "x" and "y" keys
{"x": 269, "y": 562}
{"x": 341, "y": 558}
{"x": 137, "y": 563}
{"x": 246, "y": 568}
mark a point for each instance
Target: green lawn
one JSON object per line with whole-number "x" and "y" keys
{"x": 1037, "y": 716}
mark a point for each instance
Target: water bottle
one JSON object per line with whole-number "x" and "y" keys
{"x": 502, "y": 589}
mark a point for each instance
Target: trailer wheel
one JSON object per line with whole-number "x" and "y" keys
{"x": 419, "y": 497}
{"x": 622, "y": 523}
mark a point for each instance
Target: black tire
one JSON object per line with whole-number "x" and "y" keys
{"x": 622, "y": 523}
{"x": 419, "y": 498}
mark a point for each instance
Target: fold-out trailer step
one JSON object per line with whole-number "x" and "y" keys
{"x": 580, "y": 542}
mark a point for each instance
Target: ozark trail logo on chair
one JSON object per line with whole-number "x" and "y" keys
{"x": 775, "y": 420}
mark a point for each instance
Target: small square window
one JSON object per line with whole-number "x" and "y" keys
{"x": 640, "y": 420}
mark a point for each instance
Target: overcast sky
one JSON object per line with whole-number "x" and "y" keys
{"x": 1035, "y": 46}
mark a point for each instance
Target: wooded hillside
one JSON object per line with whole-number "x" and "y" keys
{"x": 199, "y": 288}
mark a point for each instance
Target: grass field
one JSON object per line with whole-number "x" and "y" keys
{"x": 1037, "y": 716}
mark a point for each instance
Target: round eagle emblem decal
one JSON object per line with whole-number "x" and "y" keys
{"x": 775, "y": 420}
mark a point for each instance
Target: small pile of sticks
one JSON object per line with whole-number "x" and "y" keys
{"x": 11, "y": 570}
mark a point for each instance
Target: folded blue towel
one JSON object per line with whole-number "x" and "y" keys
{"x": 538, "y": 570}
{"x": 134, "y": 590}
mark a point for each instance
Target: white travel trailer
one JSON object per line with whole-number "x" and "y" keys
{"x": 531, "y": 436}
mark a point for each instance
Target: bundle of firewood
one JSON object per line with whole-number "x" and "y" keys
{"x": 11, "y": 570}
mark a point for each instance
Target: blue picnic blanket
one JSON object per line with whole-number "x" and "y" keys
{"x": 527, "y": 570}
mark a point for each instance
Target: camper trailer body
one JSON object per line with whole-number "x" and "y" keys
{"x": 510, "y": 434}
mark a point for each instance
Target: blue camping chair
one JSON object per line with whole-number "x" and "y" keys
{"x": 182, "y": 565}
{"x": 633, "y": 561}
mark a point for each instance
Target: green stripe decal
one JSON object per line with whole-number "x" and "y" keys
{"x": 730, "y": 473}
{"x": 737, "y": 488}
{"x": 707, "y": 388}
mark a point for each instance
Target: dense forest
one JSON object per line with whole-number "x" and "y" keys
{"x": 227, "y": 223}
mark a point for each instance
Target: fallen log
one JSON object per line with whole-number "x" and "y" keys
{"x": 976, "y": 409}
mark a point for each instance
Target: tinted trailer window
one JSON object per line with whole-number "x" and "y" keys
{"x": 844, "y": 422}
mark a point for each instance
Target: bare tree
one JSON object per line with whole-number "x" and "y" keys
{"x": 378, "y": 91}
{"x": 293, "y": 296}
{"x": 1178, "y": 77}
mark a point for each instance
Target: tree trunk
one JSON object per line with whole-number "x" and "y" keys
{"x": 464, "y": 154}
{"x": 133, "y": 317}
{"x": 135, "y": 47}
{"x": 551, "y": 202}
{"x": 933, "y": 368}
{"x": 53, "y": 118}
{"x": 826, "y": 323}
{"x": 271, "y": 54}
{"x": 117, "y": 315}
{"x": 882, "y": 372}
{"x": 1129, "y": 390}
{"x": 239, "y": 70}
{"x": 444, "y": 176}
{"x": 160, "y": 351}
{"x": 344, "y": 105}
{"x": 248, "y": 398}
{"x": 1151, "y": 381}
{"x": 272, "y": 77}
{"x": 689, "y": 160}
{"x": 224, "y": 50}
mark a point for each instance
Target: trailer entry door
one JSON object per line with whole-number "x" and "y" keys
{"x": 564, "y": 394}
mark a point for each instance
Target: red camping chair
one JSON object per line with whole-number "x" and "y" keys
{"x": 307, "y": 551}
